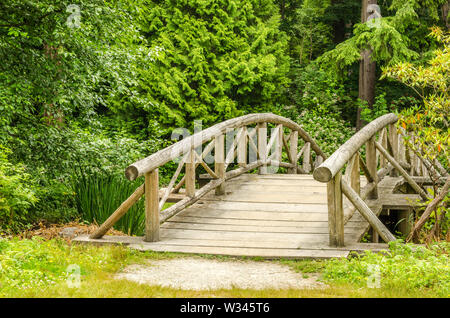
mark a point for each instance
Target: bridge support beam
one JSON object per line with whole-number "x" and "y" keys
{"x": 335, "y": 211}
{"x": 151, "y": 188}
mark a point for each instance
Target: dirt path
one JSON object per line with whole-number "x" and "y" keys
{"x": 205, "y": 274}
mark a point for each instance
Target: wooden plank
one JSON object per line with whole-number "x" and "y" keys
{"x": 242, "y": 236}
{"x": 257, "y": 223}
{"x": 259, "y": 206}
{"x": 248, "y": 252}
{"x": 271, "y": 198}
{"x": 249, "y": 228}
{"x": 280, "y": 216}
{"x": 151, "y": 186}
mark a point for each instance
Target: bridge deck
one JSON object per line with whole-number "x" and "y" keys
{"x": 263, "y": 216}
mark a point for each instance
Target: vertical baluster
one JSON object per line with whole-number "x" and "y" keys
{"x": 394, "y": 143}
{"x": 190, "y": 173}
{"x": 262, "y": 146}
{"x": 242, "y": 148}
{"x": 354, "y": 174}
{"x": 371, "y": 164}
{"x": 307, "y": 158}
{"x": 335, "y": 211}
{"x": 219, "y": 162}
{"x": 151, "y": 188}
{"x": 293, "y": 140}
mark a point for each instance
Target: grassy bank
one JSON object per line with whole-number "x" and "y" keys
{"x": 38, "y": 268}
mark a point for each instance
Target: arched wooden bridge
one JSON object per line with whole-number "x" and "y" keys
{"x": 299, "y": 204}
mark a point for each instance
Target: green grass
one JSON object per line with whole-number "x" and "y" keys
{"x": 38, "y": 268}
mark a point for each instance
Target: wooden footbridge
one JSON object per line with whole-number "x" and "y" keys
{"x": 259, "y": 185}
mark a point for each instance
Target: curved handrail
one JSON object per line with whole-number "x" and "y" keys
{"x": 331, "y": 166}
{"x": 165, "y": 155}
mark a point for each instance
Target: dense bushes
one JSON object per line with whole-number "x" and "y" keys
{"x": 211, "y": 60}
{"x": 17, "y": 194}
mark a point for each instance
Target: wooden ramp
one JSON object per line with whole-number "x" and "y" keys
{"x": 270, "y": 216}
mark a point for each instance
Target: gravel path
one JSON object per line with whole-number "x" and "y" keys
{"x": 205, "y": 274}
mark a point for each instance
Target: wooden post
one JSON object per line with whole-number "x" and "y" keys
{"x": 242, "y": 148}
{"x": 402, "y": 171}
{"x": 151, "y": 188}
{"x": 219, "y": 162}
{"x": 371, "y": 162}
{"x": 393, "y": 139}
{"x": 335, "y": 211}
{"x": 367, "y": 213}
{"x": 190, "y": 174}
{"x": 355, "y": 181}
{"x": 293, "y": 140}
{"x": 307, "y": 158}
{"x": 262, "y": 146}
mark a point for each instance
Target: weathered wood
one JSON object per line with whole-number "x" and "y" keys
{"x": 372, "y": 165}
{"x": 161, "y": 157}
{"x": 174, "y": 209}
{"x": 190, "y": 173}
{"x": 121, "y": 211}
{"x": 405, "y": 175}
{"x": 335, "y": 211}
{"x": 172, "y": 182}
{"x": 367, "y": 213}
{"x": 340, "y": 157}
{"x": 219, "y": 163}
{"x": 205, "y": 152}
{"x": 262, "y": 146}
{"x": 307, "y": 158}
{"x": 151, "y": 206}
{"x": 242, "y": 148}
{"x": 393, "y": 141}
{"x": 292, "y": 151}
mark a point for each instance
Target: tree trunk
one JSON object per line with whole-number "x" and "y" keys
{"x": 366, "y": 71}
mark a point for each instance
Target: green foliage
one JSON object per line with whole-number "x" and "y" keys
{"x": 314, "y": 90}
{"x": 404, "y": 267}
{"x": 98, "y": 196}
{"x": 210, "y": 60}
{"x": 327, "y": 131}
{"x": 379, "y": 108}
{"x": 17, "y": 195}
{"x": 388, "y": 37}
{"x": 429, "y": 122}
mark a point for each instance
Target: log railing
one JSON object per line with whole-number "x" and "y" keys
{"x": 385, "y": 153}
{"x": 246, "y": 139}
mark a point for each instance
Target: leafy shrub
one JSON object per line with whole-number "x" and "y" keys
{"x": 16, "y": 193}
{"x": 405, "y": 266}
{"x": 329, "y": 133}
{"x": 209, "y": 60}
{"x": 315, "y": 90}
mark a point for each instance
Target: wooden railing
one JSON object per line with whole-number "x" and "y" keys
{"x": 249, "y": 144}
{"x": 385, "y": 153}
